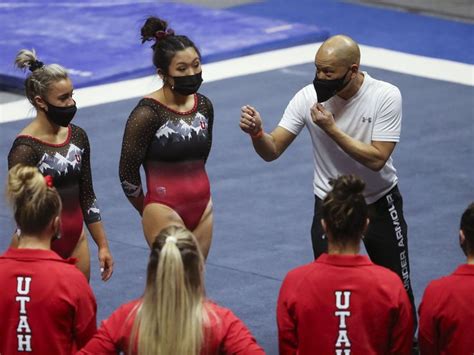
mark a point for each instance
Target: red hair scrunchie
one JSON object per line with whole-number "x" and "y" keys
{"x": 49, "y": 180}
{"x": 159, "y": 35}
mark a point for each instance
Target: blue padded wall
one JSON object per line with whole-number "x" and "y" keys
{"x": 99, "y": 42}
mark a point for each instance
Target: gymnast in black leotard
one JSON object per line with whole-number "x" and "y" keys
{"x": 61, "y": 150}
{"x": 173, "y": 147}
{"x": 170, "y": 133}
{"x": 69, "y": 166}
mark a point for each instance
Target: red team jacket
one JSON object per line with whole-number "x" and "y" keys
{"x": 46, "y": 304}
{"x": 226, "y": 335}
{"x": 343, "y": 304}
{"x": 447, "y": 314}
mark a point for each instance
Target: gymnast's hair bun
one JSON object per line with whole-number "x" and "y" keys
{"x": 347, "y": 186}
{"x": 151, "y": 27}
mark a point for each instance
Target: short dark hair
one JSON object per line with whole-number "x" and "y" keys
{"x": 165, "y": 46}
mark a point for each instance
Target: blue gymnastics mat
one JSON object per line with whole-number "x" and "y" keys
{"x": 99, "y": 42}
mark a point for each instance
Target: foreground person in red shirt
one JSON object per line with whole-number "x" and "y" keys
{"x": 446, "y": 310}
{"x": 342, "y": 303}
{"x": 173, "y": 316}
{"x": 46, "y": 304}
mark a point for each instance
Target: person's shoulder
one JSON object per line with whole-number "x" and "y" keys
{"x": 28, "y": 130}
{"x": 383, "y": 272}
{"x": 300, "y": 273}
{"x": 213, "y": 307}
{"x": 304, "y": 98}
{"x": 437, "y": 291}
{"x": 63, "y": 273}
{"x": 68, "y": 274}
{"x": 217, "y": 314}
{"x": 76, "y": 130}
{"x": 441, "y": 285}
{"x": 130, "y": 305}
{"x": 303, "y": 269}
{"x": 381, "y": 86}
{"x": 23, "y": 140}
{"x": 220, "y": 316}
{"x": 218, "y": 309}
{"x": 68, "y": 268}
{"x": 146, "y": 108}
{"x": 307, "y": 92}
{"x": 7, "y": 255}
{"x": 26, "y": 135}
{"x": 385, "y": 278}
{"x": 202, "y": 97}
{"x": 203, "y": 100}
{"x": 147, "y": 101}
{"x": 126, "y": 310}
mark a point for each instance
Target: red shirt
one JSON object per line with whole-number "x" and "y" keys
{"x": 447, "y": 314}
{"x": 46, "y": 304}
{"x": 342, "y": 302}
{"x": 228, "y": 334}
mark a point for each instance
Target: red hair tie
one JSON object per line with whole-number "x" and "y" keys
{"x": 159, "y": 35}
{"x": 49, "y": 180}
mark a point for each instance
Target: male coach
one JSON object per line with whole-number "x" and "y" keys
{"x": 354, "y": 121}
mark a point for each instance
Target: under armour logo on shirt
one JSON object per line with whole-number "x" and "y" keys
{"x": 366, "y": 119}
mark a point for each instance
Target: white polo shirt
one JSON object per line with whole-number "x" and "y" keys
{"x": 374, "y": 113}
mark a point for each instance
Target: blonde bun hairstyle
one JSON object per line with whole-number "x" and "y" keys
{"x": 34, "y": 203}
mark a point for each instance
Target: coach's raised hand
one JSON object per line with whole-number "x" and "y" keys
{"x": 250, "y": 120}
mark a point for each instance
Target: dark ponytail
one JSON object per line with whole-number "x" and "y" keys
{"x": 467, "y": 226}
{"x": 344, "y": 209}
{"x": 166, "y": 42}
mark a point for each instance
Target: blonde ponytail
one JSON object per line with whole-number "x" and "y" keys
{"x": 170, "y": 318}
{"x": 42, "y": 76}
{"x": 25, "y": 59}
{"x": 34, "y": 203}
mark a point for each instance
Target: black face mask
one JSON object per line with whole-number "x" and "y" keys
{"x": 325, "y": 89}
{"x": 187, "y": 85}
{"x": 61, "y": 116}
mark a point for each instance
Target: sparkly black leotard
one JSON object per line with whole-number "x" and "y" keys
{"x": 69, "y": 165}
{"x": 173, "y": 148}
